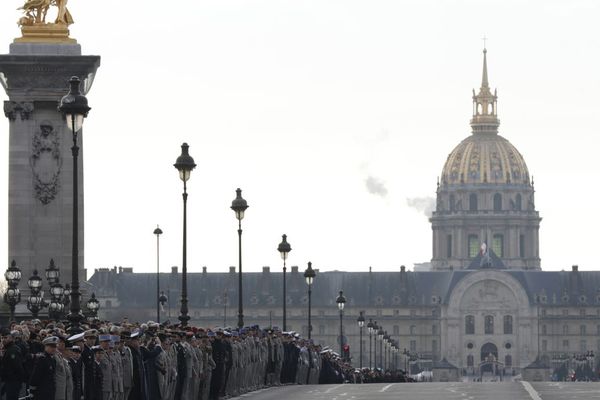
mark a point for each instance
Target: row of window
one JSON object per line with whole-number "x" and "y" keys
{"x": 515, "y": 204}
{"x": 497, "y": 245}
{"x": 583, "y": 345}
{"x": 488, "y": 325}
{"x": 565, "y": 330}
{"x": 507, "y": 360}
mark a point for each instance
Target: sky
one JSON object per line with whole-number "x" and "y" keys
{"x": 334, "y": 117}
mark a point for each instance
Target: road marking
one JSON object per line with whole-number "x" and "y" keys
{"x": 532, "y": 393}
{"x": 386, "y": 388}
{"x": 333, "y": 388}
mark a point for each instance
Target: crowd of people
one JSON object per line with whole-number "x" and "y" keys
{"x": 150, "y": 361}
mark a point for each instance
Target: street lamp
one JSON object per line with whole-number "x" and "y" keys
{"x": 158, "y": 232}
{"x": 56, "y": 306}
{"x": 35, "y": 302}
{"x": 386, "y": 358}
{"x": 361, "y": 323}
{"x": 239, "y": 206}
{"x": 380, "y": 334}
{"x": 74, "y": 107}
{"x": 184, "y": 164}
{"x": 341, "y": 302}
{"x": 66, "y": 297}
{"x": 52, "y": 273}
{"x": 284, "y": 249}
{"x": 12, "y": 296}
{"x": 92, "y": 306}
{"x": 375, "y": 333}
{"x": 370, "y": 330}
{"x": 309, "y": 275}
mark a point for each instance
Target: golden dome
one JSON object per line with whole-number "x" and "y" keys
{"x": 485, "y": 158}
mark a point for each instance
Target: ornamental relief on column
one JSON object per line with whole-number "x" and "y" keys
{"x": 46, "y": 163}
{"x": 12, "y": 109}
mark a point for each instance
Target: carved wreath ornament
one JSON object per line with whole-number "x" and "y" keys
{"x": 46, "y": 163}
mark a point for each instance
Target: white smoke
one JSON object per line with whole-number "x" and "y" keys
{"x": 425, "y": 205}
{"x": 376, "y": 186}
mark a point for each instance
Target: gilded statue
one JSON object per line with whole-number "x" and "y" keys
{"x": 36, "y": 11}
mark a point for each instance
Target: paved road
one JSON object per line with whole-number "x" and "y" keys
{"x": 434, "y": 391}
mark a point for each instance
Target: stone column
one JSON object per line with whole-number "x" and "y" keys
{"x": 35, "y": 77}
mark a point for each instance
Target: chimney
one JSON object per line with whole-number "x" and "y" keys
{"x": 295, "y": 269}
{"x": 174, "y": 270}
{"x": 575, "y": 268}
{"x": 232, "y": 270}
{"x": 266, "y": 270}
{"x": 204, "y": 270}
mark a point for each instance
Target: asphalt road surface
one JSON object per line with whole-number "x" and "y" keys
{"x": 432, "y": 391}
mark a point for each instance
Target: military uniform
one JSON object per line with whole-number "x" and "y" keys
{"x": 42, "y": 382}
{"x": 12, "y": 372}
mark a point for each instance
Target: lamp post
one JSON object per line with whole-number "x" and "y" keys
{"x": 380, "y": 334}
{"x": 239, "y": 206}
{"x": 56, "y": 306}
{"x": 12, "y": 296}
{"x": 309, "y": 275}
{"x": 184, "y": 164}
{"x": 370, "y": 330}
{"x": 361, "y": 323}
{"x": 375, "y": 333}
{"x": 158, "y": 232}
{"x": 341, "y": 302}
{"x": 35, "y": 302}
{"x": 284, "y": 249}
{"x": 386, "y": 355}
{"x": 66, "y": 298}
{"x": 74, "y": 107}
{"x": 92, "y": 306}
{"x": 52, "y": 273}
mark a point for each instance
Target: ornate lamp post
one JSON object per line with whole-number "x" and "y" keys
{"x": 239, "y": 206}
{"x": 184, "y": 164}
{"x": 309, "y": 275}
{"x": 284, "y": 249}
{"x": 74, "y": 107}
{"x": 12, "y": 297}
{"x": 341, "y": 302}
{"x": 386, "y": 343}
{"x": 361, "y": 323}
{"x": 92, "y": 306}
{"x": 56, "y": 306}
{"x": 52, "y": 273}
{"x": 375, "y": 333}
{"x": 370, "y": 330}
{"x": 66, "y": 297}
{"x": 158, "y": 232}
{"x": 380, "y": 334}
{"x": 162, "y": 300}
{"x": 35, "y": 302}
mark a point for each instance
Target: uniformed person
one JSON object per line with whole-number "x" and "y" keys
{"x": 126, "y": 364}
{"x": 106, "y": 367}
{"x": 88, "y": 359}
{"x": 12, "y": 370}
{"x": 42, "y": 381}
{"x": 62, "y": 374}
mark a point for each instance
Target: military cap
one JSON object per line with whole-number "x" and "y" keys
{"x": 104, "y": 338}
{"x": 125, "y": 335}
{"x": 211, "y": 334}
{"x": 16, "y": 333}
{"x": 76, "y": 338}
{"x": 135, "y": 335}
{"x": 90, "y": 333}
{"x": 50, "y": 341}
{"x": 97, "y": 349}
{"x": 75, "y": 349}
{"x": 115, "y": 338}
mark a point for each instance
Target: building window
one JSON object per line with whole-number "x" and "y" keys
{"x": 544, "y": 345}
{"x": 522, "y": 246}
{"x": 508, "y": 360}
{"x": 582, "y": 330}
{"x": 449, "y": 246}
{"x": 452, "y": 202}
{"x": 434, "y": 346}
{"x": 396, "y": 312}
{"x": 413, "y": 330}
{"x": 489, "y": 325}
{"x": 473, "y": 246}
{"x": 544, "y": 330}
{"x": 565, "y": 329}
{"x": 413, "y": 345}
{"x": 582, "y": 312}
{"x": 321, "y": 329}
{"x": 543, "y": 312}
{"x": 497, "y": 202}
{"x": 583, "y": 346}
{"x": 470, "y": 360}
{"x": 396, "y": 330}
{"x": 565, "y": 345}
{"x": 508, "y": 325}
{"x": 498, "y": 245}
{"x": 518, "y": 202}
{"x": 469, "y": 325}
{"x": 434, "y": 330}
{"x": 472, "y": 202}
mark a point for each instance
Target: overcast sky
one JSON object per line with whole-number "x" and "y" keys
{"x": 334, "y": 117}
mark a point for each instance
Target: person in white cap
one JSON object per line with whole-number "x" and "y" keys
{"x": 41, "y": 383}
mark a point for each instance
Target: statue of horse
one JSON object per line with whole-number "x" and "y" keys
{"x": 35, "y": 12}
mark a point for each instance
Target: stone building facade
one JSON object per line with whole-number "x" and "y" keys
{"x": 485, "y": 304}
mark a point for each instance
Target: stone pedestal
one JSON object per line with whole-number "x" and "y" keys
{"x": 35, "y": 77}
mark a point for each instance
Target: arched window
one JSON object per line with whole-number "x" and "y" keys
{"x": 452, "y": 203}
{"x": 413, "y": 330}
{"x": 469, "y": 325}
{"x": 508, "y": 324}
{"x": 470, "y": 360}
{"x": 582, "y": 330}
{"x": 508, "y": 360}
{"x": 473, "y": 246}
{"x": 489, "y": 325}
{"x": 518, "y": 202}
{"x": 472, "y": 202}
{"x": 497, "y": 202}
{"x": 498, "y": 244}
